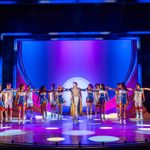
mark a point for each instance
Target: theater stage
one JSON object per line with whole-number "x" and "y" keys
{"x": 53, "y": 132}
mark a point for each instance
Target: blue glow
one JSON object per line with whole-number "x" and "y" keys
{"x": 14, "y": 34}
{"x": 103, "y": 138}
{"x": 138, "y": 32}
{"x": 42, "y": 53}
{"x": 0, "y": 69}
{"x": 12, "y": 132}
{"x": 78, "y": 132}
{"x": 75, "y": 1}
{"x": 144, "y": 1}
{"x": 140, "y": 74}
{"x": 7, "y": 2}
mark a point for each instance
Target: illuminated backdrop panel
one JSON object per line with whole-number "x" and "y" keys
{"x": 94, "y": 61}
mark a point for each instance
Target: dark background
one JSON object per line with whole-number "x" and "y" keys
{"x": 117, "y": 18}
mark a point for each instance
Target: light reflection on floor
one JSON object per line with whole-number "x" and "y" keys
{"x": 67, "y": 132}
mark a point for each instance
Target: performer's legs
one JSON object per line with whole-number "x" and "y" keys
{"x": 23, "y": 113}
{"x": 6, "y": 111}
{"x": 120, "y": 113}
{"x": 76, "y": 102}
{"x": 19, "y": 114}
{"x": 1, "y": 116}
{"x": 100, "y": 110}
{"x": 124, "y": 113}
{"x": 141, "y": 110}
{"x": 45, "y": 110}
{"x": 103, "y": 110}
{"x": 87, "y": 110}
{"x": 117, "y": 110}
{"x": 42, "y": 111}
{"x": 91, "y": 110}
{"x": 10, "y": 112}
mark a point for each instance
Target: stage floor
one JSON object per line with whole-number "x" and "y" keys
{"x": 65, "y": 132}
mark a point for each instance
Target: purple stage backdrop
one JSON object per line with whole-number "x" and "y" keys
{"x": 84, "y": 61}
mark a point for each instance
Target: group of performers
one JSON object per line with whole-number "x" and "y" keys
{"x": 97, "y": 96}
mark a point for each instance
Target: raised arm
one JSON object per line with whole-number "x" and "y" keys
{"x": 147, "y": 89}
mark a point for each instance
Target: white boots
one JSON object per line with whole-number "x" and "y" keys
{"x": 139, "y": 115}
{"x": 89, "y": 116}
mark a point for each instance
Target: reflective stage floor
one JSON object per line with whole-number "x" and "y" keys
{"x": 65, "y": 132}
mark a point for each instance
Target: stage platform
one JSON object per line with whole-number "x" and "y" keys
{"x": 62, "y": 134}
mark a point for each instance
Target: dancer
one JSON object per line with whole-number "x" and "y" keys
{"x": 1, "y": 105}
{"x": 29, "y": 100}
{"x": 117, "y": 98}
{"x": 43, "y": 101}
{"x": 52, "y": 96}
{"x": 96, "y": 99}
{"x": 123, "y": 96}
{"x": 21, "y": 103}
{"x": 60, "y": 100}
{"x": 76, "y": 102}
{"x": 103, "y": 98}
{"x": 139, "y": 98}
{"x": 8, "y": 101}
{"x": 89, "y": 101}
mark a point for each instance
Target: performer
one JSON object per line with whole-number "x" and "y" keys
{"x": 96, "y": 99}
{"x": 123, "y": 96}
{"x": 139, "y": 98}
{"x": 52, "y": 96}
{"x": 76, "y": 102}
{"x": 43, "y": 101}
{"x": 21, "y": 102}
{"x": 117, "y": 97}
{"x": 103, "y": 98}
{"x": 8, "y": 101}
{"x": 60, "y": 101}
{"x": 89, "y": 101}
{"x": 29, "y": 100}
{"x": 1, "y": 104}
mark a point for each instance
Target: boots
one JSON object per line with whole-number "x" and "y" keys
{"x": 141, "y": 115}
{"x": 124, "y": 121}
{"x": 90, "y": 116}
{"x": 104, "y": 118}
{"x": 76, "y": 119}
{"x": 51, "y": 115}
{"x": 137, "y": 115}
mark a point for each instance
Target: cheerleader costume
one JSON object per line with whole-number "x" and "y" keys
{"x": 60, "y": 98}
{"x": 1, "y": 103}
{"x": 102, "y": 97}
{"x": 43, "y": 99}
{"x": 53, "y": 102}
{"x": 122, "y": 97}
{"x": 29, "y": 96}
{"x": 90, "y": 97}
{"x": 22, "y": 99}
{"x": 138, "y": 98}
{"x": 8, "y": 98}
{"x": 138, "y": 103}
